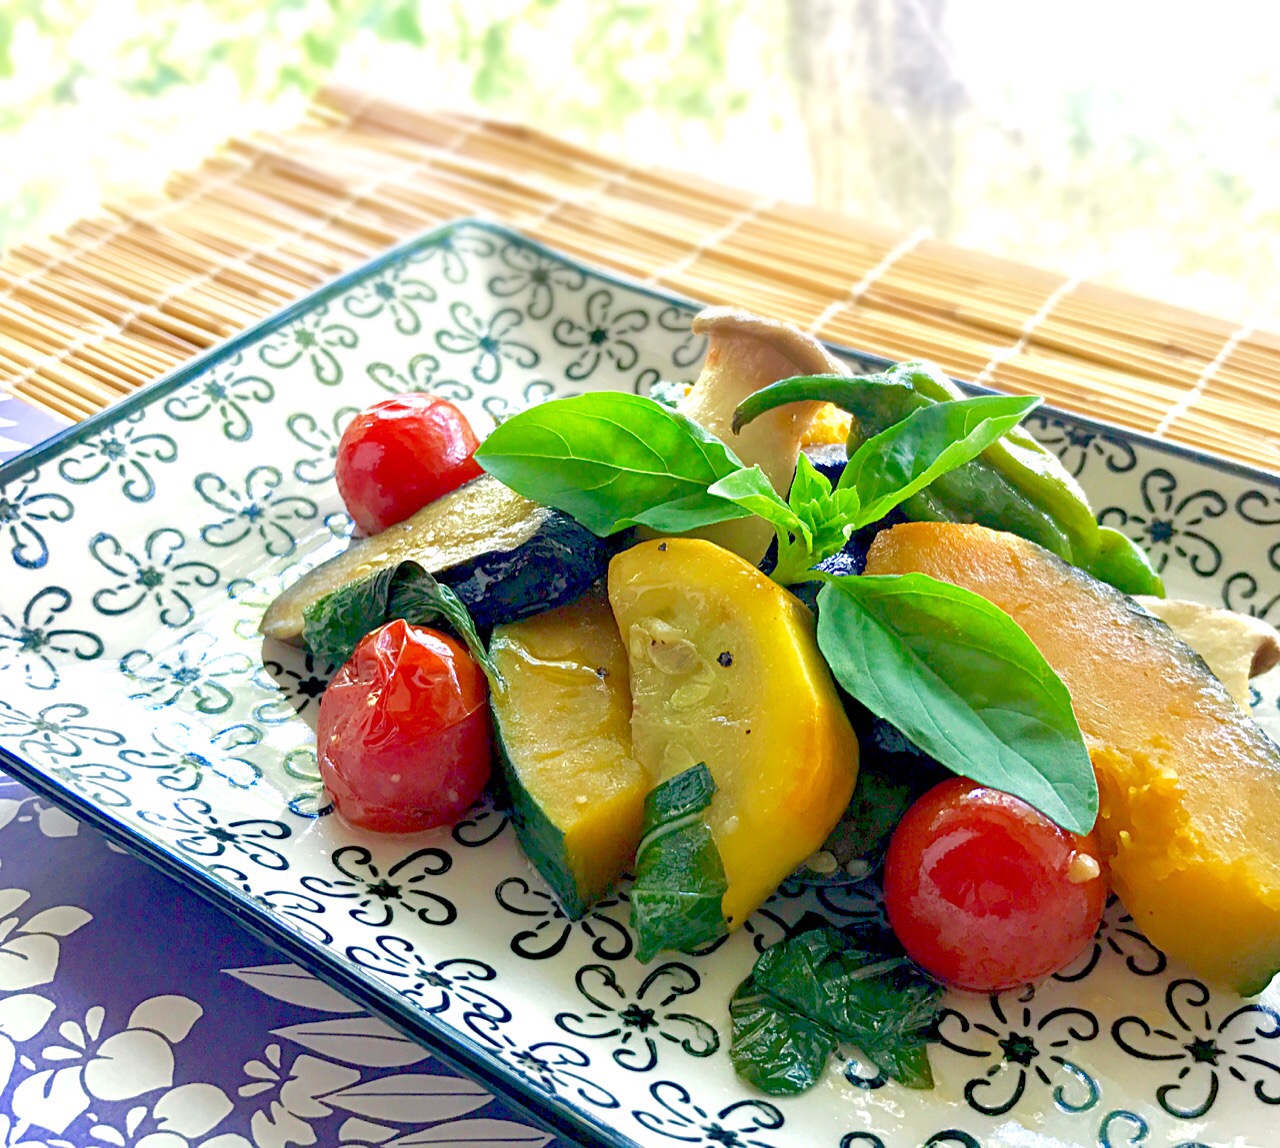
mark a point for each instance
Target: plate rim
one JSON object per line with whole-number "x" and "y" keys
{"x": 566, "y": 1120}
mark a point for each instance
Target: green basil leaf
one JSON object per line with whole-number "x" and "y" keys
{"x": 858, "y": 987}
{"x": 417, "y": 597}
{"x": 333, "y": 626}
{"x": 611, "y": 459}
{"x": 780, "y": 1051}
{"x": 752, "y": 490}
{"x": 848, "y": 394}
{"x": 909, "y": 455}
{"x": 962, "y": 680}
{"x": 676, "y": 900}
{"x": 809, "y": 484}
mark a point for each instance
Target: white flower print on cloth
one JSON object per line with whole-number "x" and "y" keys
{"x": 29, "y": 950}
{"x": 294, "y": 1095}
{"x": 181, "y": 1118}
{"x": 117, "y": 1067}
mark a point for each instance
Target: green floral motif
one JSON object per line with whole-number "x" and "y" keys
{"x": 394, "y": 293}
{"x": 314, "y": 336}
{"x": 451, "y": 251}
{"x": 183, "y": 757}
{"x": 31, "y": 642}
{"x": 312, "y": 800}
{"x": 419, "y": 375}
{"x": 487, "y": 340}
{"x": 57, "y": 730}
{"x": 155, "y": 575}
{"x": 297, "y": 684}
{"x": 1021, "y": 1042}
{"x": 322, "y": 441}
{"x": 602, "y": 335}
{"x": 21, "y": 508}
{"x": 688, "y": 353}
{"x": 256, "y": 509}
{"x": 635, "y": 1022}
{"x": 226, "y": 391}
{"x": 499, "y": 407}
{"x": 536, "y": 274}
{"x": 121, "y": 450}
{"x": 192, "y": 669}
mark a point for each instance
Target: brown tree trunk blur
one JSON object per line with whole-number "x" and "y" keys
{"x": 879, "y": 98}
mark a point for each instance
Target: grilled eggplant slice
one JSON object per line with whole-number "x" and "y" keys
{"x": 504, "y": 556}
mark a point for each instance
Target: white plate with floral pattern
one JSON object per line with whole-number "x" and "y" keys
{"x": 138, "y": 550}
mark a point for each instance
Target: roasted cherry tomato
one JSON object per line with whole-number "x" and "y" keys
{"x": 986, "y": 892}
{"x": 399, "y": 454}
{"x": 403, "y": 735}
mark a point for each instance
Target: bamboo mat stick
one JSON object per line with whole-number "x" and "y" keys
{"x": 122, "y": 297}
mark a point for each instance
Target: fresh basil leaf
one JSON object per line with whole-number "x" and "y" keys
{"x": 832, "y": 517}
{"x": 824, "y": 985}
{"x": 848, "y": 394}
{"x": 752, "y": 490}
{"x": 688, "y": 513}
{"x": 809, "y": 484}
{"x": 962, "y": 680}
{"x": 333, "y": 626}
{"x": 904, "y": 459}
{"x": 611, "y": 460}
{"x": 780, "y": 1051}
{"x": 811, "y": 525}
{"x": 418, "y": 598}
{"x": 676, "y": 900}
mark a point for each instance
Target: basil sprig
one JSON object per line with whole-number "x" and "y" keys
{"x": 962, "y": 680}
{"x": 954, "y": 672}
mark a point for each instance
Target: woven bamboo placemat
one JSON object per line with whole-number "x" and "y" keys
{"x": 121, "y": 298}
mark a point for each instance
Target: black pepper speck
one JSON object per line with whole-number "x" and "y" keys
{"x": 725, "y": 658}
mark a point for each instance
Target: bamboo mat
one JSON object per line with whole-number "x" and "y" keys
{"x": 121, "y": 298}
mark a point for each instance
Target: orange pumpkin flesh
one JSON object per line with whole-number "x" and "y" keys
{"x": 1189, "y": 784}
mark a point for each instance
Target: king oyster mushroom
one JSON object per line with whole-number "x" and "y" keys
{"x": 1236, "y": 647}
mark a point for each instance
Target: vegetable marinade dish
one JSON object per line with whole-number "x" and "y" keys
{"x": 786, "y": 622}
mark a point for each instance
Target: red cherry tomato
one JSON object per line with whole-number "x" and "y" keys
{"x": 986, "y": 892}
{"x": 403, "y": 735}
{"x": 399, "y": 454}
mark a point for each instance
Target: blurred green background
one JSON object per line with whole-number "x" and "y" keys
{"x": 1128, "y": 141}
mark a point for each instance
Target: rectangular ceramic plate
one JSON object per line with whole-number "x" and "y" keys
{"x": 138, "y": 550}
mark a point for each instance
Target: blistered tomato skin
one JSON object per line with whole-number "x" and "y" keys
{"x": 403, "y": 735}
{"x": 987, "y": 893}
{"x": 401, "y": 453}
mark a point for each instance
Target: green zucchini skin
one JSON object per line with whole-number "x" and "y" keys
{"x": 541, "y": 841}
{"x": 504, "y": 556}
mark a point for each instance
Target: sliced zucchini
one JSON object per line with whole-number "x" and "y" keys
{"x": 563, "y": 731}
{"x": 726, "y": 671}
{"x": 504, "y": 556}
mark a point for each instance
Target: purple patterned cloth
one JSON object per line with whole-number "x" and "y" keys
{"x": 133, "y": 1015}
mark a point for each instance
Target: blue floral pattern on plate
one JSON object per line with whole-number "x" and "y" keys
{"x": 137, "y": 554}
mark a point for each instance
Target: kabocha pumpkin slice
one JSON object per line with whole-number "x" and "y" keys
{"x": 725, "y": 670}
{"x": 562, "y": 723}
{"x": 1190, "y": 785}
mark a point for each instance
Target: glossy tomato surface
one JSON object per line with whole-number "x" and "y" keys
{"x": 403, "y": 735}
{"x": 986, "y": 892}
{"x": 401, "y": 453}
